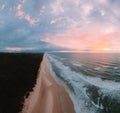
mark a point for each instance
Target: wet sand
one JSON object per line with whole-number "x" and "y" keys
{"x": 48, "y": 96}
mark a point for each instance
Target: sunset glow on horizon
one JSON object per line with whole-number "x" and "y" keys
{"x": 90, "y": 41}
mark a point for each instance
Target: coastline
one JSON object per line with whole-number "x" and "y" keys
{"x": 47, "y": 95}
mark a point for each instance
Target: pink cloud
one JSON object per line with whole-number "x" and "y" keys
{"x": 22, "y": 15}
{"x": 3, "y": 6}
{"x": 13, "y": 49}
{"x": 18, "y": 48}
{"x": 19, "y": 6}
{"x": 52, "y": 22}
{"x": 30, "y": 20}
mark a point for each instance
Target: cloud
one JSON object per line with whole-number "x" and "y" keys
{"x": 13, "y": 49}
{"x": 42, "y": 9}
{"x": 102, "y": 1}
{"x": 79, "y": 24}
{"x": 57, "y": 7}
{"x": 23, "y": 1}
{"x": 86, "y": 9}
{"x": 30, "y": 20}
{"x": 22, "y": 15}
{"x": 3, "y": 6}
{"x": 10, "y": 49}
{"x": 56, "y": 20}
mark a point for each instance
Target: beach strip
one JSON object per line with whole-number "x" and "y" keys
{"x": 48, "y": 96}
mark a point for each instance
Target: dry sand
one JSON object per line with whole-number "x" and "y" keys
{"x": 48, "y": 96}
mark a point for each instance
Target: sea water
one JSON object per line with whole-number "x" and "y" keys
{"x": 92, "y": 78}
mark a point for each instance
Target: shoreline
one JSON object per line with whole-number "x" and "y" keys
{"x": 47, "y": 96}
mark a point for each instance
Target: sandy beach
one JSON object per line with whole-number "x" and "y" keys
{"x": 48, "y": 96}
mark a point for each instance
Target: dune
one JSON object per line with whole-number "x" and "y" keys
{"x": 48, "y": 96}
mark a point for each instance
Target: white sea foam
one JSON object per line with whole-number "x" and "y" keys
{"x": 97, "y": 68}
{"x": 76, "y": 64}
{"x": 65, "y": 70}
{"x": 115, "y": 67}
{"x": 105, "y": 66}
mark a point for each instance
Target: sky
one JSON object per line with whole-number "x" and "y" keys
{"x": 49, "y": 25}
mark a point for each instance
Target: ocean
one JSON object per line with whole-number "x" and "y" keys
{"x": 91, "y": 79}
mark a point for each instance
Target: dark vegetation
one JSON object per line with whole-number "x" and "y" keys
{"x": 18, "y": 73}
